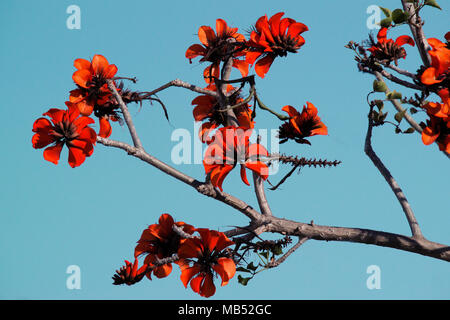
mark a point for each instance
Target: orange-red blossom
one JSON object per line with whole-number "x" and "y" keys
{"x": 160, "y": 241}
{"x": 65, "y": 128}
{"x": 93, "y": 91}
{"x": 301, "y": 125}
{"x": 217, "y": 47}
{"x": 272, "y": 38}
{"x": 231, "y": 146}
{"x": 208, "y": 258}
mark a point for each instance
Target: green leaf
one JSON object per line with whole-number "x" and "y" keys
{"x": 393, "y": 95}
{"x": 243, "y": 280}
{"x": 250, "y": 266}
{"x": 386, "y": 12}
{"x": 397, "y": 130}
{"x": 379, "y": 86}
{"x": 432, "y": 3}
{"x": 409, "y": 130}
{"x": 398, "y": 16}
{"x": 242, "y": 269}
{"x": 399, "y": 116}
{"x": 382, "y": 117}
{"x": 379, "y": 104}
{"x": 277, "y": 250}
{"x": 386, "y": 22}
{"x": 413, "y": 110}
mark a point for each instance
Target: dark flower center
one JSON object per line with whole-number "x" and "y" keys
{"x": 65, "y": 131}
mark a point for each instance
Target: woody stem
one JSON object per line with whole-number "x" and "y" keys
{"x": 126, "y": 115}
{"x": 415, "y": 229}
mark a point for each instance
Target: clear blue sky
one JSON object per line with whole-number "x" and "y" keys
{"x": 55, "y": 216}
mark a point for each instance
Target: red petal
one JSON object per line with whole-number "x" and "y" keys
{"x": 402, "y": 40}
{"x": 105, "y": 128}
{"x": 242, "y": 66}
{"x": 221, "y": 27}
{"x": 188, "y": 273}
{"x": 163, "y": 271}
{"x": 381, "y": 36}
{"x": 76, "y": 157}
{"x": 42, "y": 124}
{"x": 99, "y": 64}
{"x": 52, "y": 153}
{"x": 259, "y": 167}
{"x": 263, "y": 65}
{"x": 196, "y": 283}
{"x": 82, "y": 77}
{"x": 56, "y": 115}
{"x": 217, "y": 176}
{"x": 274, "y": 23}
{"x": 206, "y": 33}
{"x": 429, "y": 76}
{"x": 208, "y": 288}
{"x": 195, "y": 50}
{"x": 244, "y": 175}
{"x": 296, "y": 28}
{"x": 41, "y": 140}
{"x": 82, "y": 64}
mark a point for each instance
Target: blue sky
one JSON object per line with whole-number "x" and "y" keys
{"x": 52, "y": 217}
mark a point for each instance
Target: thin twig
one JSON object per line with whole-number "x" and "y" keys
{"x": 182, "y": 84}
{"x": 276, "y": 263}
{"x": 398, "y": 106}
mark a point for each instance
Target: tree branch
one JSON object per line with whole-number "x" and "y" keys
{"x": 367, "y": 236}
{"x": 126, "y": 115}
{"x": 203, "y": 188}
{"x": 415, "y": 229}
{"x": 415, "y": 24}
{"x": 398, "y": 106}
{"x": 183, "y": 84}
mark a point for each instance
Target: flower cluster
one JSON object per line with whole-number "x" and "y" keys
{"x": 388, "y": 50}
{"x": 208, "y": 108}
{"x": 437, "y": 78}
{"x": 437, "y": 128}
{"x": 270, "y": 38}
{"x": 301, "y": 125}
{"x": 70, "y": 127}
{"x": 439, "y": 71}
{"x": 228, "y": 141}
{"x": 230, "y": 146}
{"x": 200, "y": 258}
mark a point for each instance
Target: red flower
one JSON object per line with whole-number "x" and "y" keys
{"x": 437, "y": 128}
{"x": 440, "y": 63}
{"x": 301, "y": 125}
{"x": 159, "y": 241}
{"x": 388, "y": 49}
{"x": 208, "y": 257}
{"x": 66, "y": 127}
{"x": 272, "y": 38}
{"x": 218, "y": 46}
{"x": 207, "y": 108}
{"x": 91, "y": 80}
{"x": 231, "y": 146}
{"x": 93, "y": 94}
{"x": 130, "y": 274}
